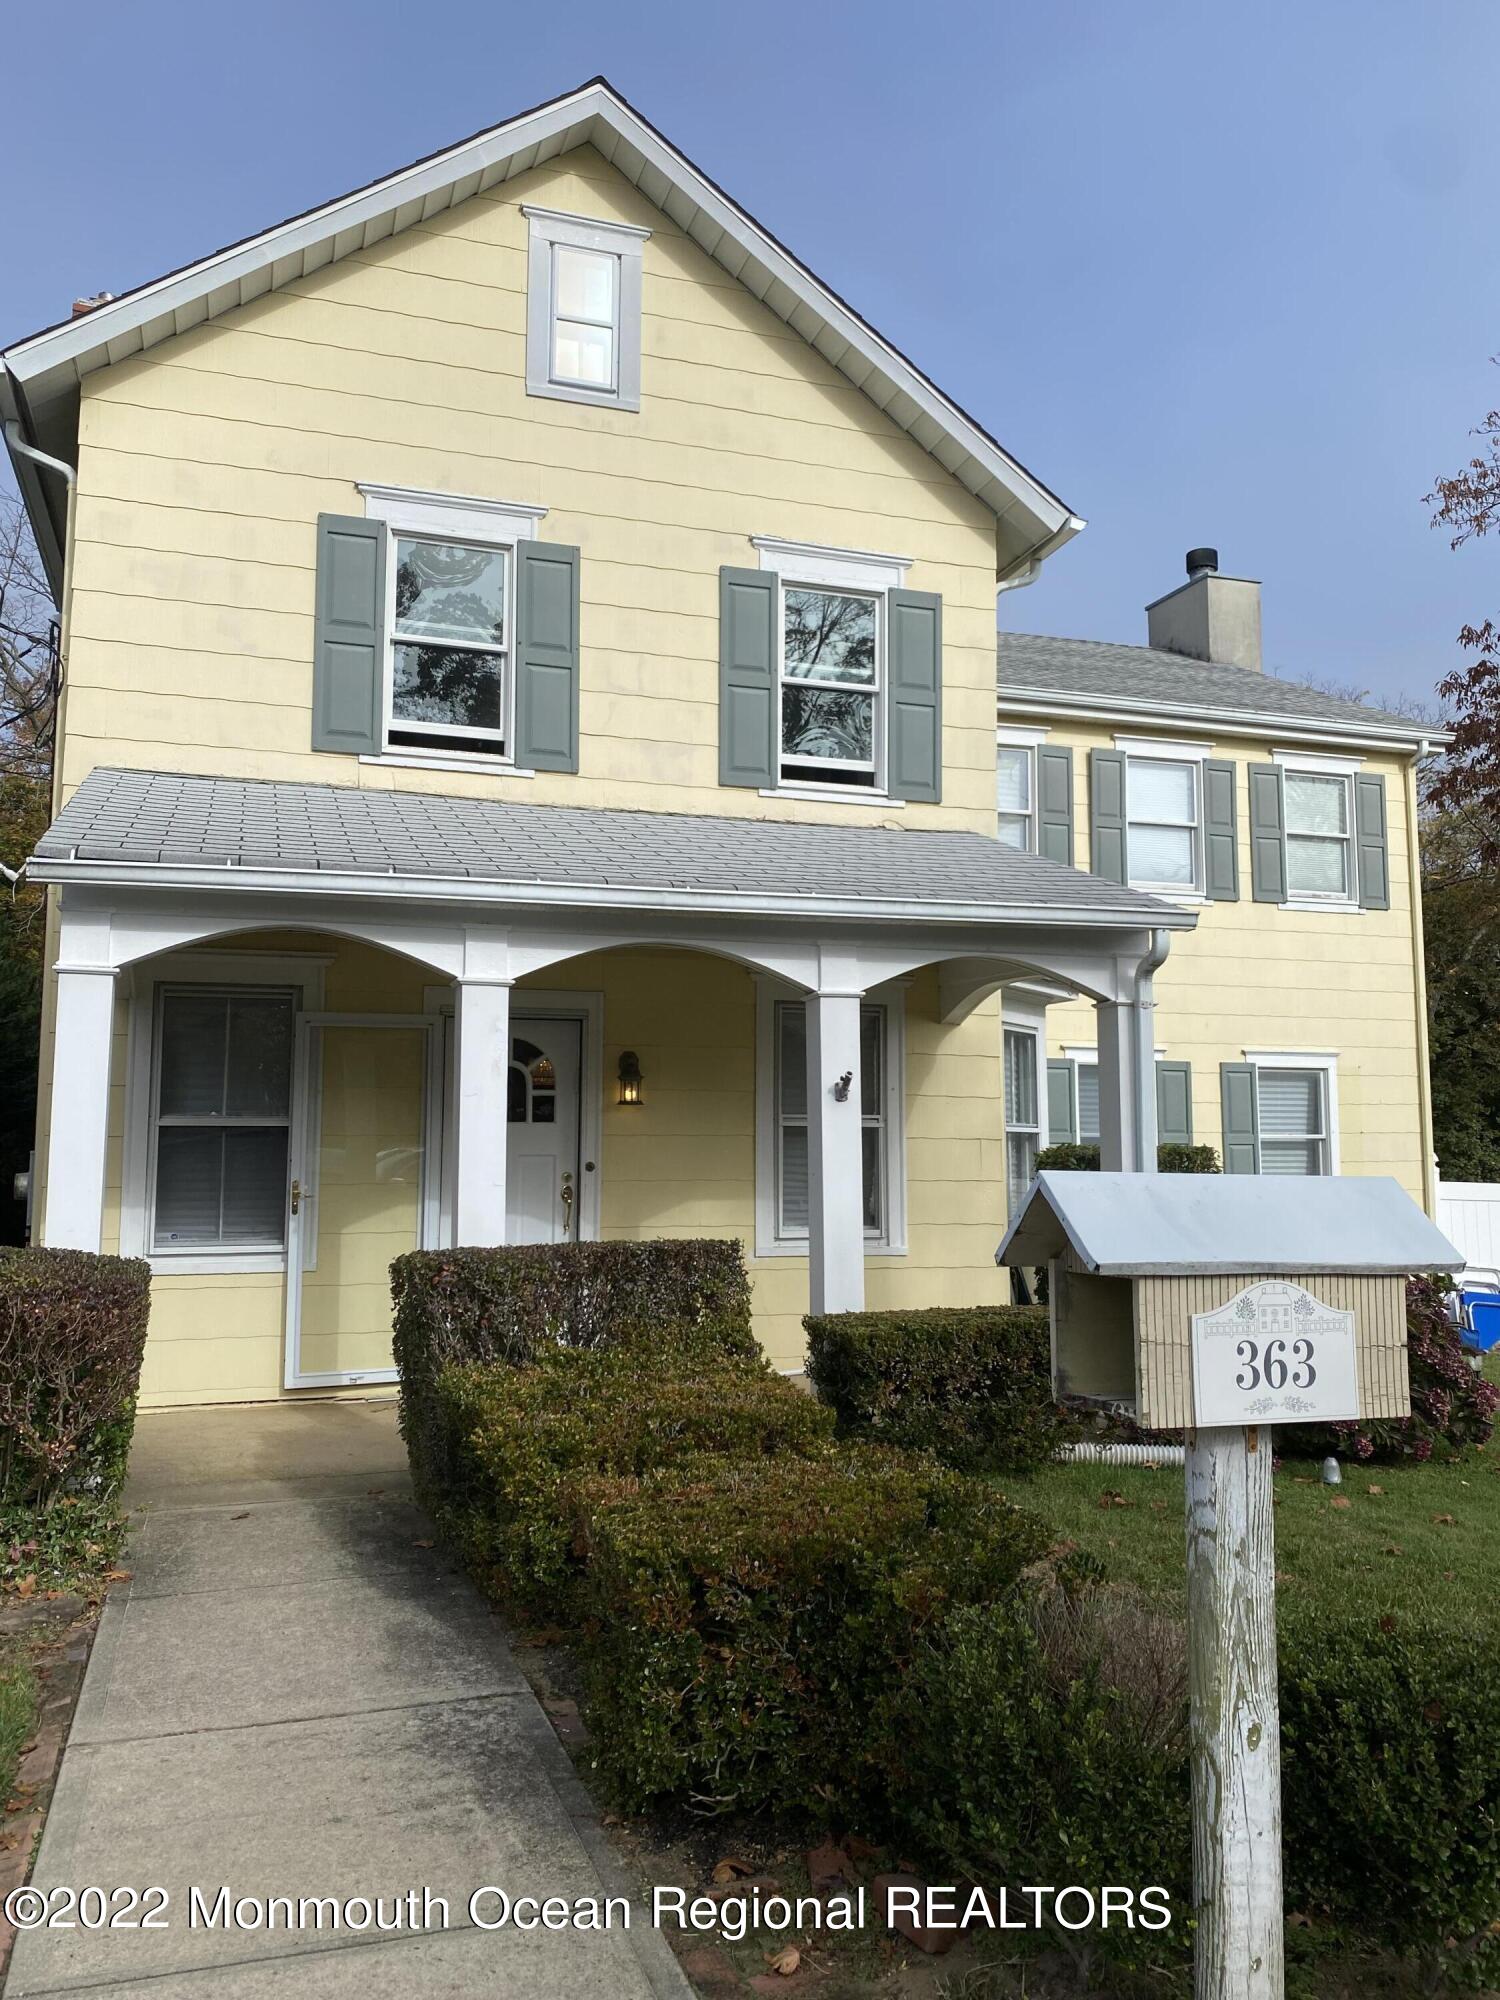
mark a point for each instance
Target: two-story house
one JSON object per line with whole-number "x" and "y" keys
{"x": 526, "y": 765}
{"x": 1291, "y": 1023}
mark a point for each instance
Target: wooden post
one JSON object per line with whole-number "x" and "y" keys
{"x": 1235, "y": 1726}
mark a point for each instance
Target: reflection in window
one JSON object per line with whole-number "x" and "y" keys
{"x": 1317, "y": 836}
{"x": 1022, "y": 1114}
{"x": 448, "y": 651}
{"x": 532, "y": 1090}
{"x": 1162, "y": 807}
{"x": 830, "y": 674}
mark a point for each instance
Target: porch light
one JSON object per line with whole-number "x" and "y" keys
{"x": 630, "y": 1078}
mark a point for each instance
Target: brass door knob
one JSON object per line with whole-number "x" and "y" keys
{"x": 296, "y": 1196}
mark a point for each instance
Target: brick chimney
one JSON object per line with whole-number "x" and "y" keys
{"x": 1210, "y": 617}
{"x": 82, "y": 306}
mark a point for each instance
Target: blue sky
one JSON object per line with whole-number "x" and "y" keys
{"x": 1217, "y": 273}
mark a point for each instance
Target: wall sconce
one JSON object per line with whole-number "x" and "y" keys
{"x": 630, "y": 1078}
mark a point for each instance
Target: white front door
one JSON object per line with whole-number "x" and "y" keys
{"x": 542, "y": 1166}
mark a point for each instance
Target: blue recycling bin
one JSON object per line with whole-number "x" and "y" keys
{"x": 1481, "y": 1321}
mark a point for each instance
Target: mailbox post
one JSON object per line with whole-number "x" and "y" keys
{"x": 1223, "y": 1306}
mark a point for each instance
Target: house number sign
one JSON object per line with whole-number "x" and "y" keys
{"x": 1273, "y": 1354}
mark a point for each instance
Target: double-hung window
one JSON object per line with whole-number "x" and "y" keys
{"x": 832, "y": 658}
{"x": 1022, "y": 1113}
{"x": 450, "y": 678}
{"x": 791, "y": 1135}
{"x": 1163, "y": 813}
{"x": 220, "y": 1117}
{"x": 1292, "y": 1110}
{"x": 1015, "y": 788}
{"x": 583, "y": 309}
{"x": 1319, "y": 865}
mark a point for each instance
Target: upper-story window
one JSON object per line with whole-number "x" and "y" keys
{"x": 1015, "y": 794}
{"x": 583, "y": 309}
{"x": 1163, "y": 823}
{"x": 1318, "y": 837}
{"x": 450, "y": 681}
{"x": 832, "y": 644}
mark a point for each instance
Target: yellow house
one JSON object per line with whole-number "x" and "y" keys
{"x": 526, "y": 765}
{"x": 1290, "y": 1026}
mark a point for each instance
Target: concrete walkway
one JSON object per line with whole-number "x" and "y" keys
{"x": 295, "y": 1697}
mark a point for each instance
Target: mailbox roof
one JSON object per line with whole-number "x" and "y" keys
{"x": 1179, "y": 1225}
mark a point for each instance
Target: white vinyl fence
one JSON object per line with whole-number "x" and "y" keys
{"x": 1468, "y": 1213}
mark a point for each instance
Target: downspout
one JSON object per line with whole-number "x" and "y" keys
{"x": 1145, "y": 1050}
{"x": 69, "y": 476}
{"x": 1419, "y": 987}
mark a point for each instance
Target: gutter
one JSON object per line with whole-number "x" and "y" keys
{"x": 1048, "y": 702}
{"x": 1026, "y": 569}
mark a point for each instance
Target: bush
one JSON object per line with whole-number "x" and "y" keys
{"x": 509, "y": 1305}
{"x": 1452, "y": 1406}
{"x": 72, "y": 1334}
{"x": 971, "y": 1383}
{"x": 1171, "y": 1158}
{"x": 751, "y": 1622}
{"x": 543, "y": 1447}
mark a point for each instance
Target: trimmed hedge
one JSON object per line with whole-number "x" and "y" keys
{"x": 1171, "y": 1158}
{"x": 753, "y": 1621}
{"x": 72, "y": 1335}
{"x": 542, "y": 1448}
{"x": 455, "y": 1307}
{"x": 971, "y": 1383}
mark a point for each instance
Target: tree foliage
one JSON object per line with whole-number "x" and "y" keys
{"x": 1461, "y": 920}
{"x": 1467, "y": 504}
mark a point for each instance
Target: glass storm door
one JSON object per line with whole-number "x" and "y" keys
{"x": 359, "y": 1193}
{"x": 541, "y": 1172}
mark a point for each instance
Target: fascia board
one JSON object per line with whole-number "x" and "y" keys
{"x": 1239, "y": 722}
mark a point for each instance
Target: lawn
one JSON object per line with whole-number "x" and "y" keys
{"x": 18, "y": 1700}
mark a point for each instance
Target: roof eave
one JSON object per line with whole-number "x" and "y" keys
{"x": 1244, "y": 722}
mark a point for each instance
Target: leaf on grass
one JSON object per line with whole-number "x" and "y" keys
{"x": 25, "y": 1586}
{"x": 786, "y": 1961}
{"x": 1341, "y": 1500}
{"x": 731, "y": 1868}
{"x": 1445, "y": 1520}
{"x": 117, "y": 1576}
{"x": 1394, "y": 1549}
{"x": 1375, "y": 1489}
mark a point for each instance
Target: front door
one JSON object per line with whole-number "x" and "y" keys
{"x": 541, "y": 1175}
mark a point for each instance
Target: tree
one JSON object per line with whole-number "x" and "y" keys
{"x": 1461, "y": 921}
{"x": 1468, "y": 505}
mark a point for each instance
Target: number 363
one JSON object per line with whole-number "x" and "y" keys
{"x": 1272, "y": 1367}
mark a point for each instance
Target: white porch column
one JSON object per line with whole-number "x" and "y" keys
{"x": 481, "y": 1077}
{"x": 835, "y": 1162}
{"x": 79, "y": 1123}
{"x": 1127, "y": 1070}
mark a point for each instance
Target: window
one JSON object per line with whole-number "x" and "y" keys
{"x": 583, "y": 314}
{"x": 791, "y": 1139}
{"x": 221, "y": 1101}
{"x": 1318, "y": 864}
{"x": 1162, "y": 812}
{"x": 1088, "y": 1103}
{"x": 449, "y": 676}
{"x": 1292, "y": 1109}
{"x": 1014, "y": 794}
{"x": 830, "y": 686}
{"x": 1022, "y": 1114}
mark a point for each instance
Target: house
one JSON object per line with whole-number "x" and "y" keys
{"x": 526, "y": 765}
{"x": 1290, "y": 1028}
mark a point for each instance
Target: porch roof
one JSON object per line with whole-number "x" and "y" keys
{"x": 155, "y": 826}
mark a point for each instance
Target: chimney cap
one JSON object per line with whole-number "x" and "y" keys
{"x": 1201, "y": 562}
{"x": 82, "y": 306}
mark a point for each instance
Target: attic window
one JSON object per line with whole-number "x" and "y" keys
{"x": 583, "y": 310}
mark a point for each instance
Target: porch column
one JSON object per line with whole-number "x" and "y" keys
{"x": 835, "y": 1162}
{"x": 481, "y": 1079}
{"x": 1127, "y": 1069}
{"x": 79, "y": 1125}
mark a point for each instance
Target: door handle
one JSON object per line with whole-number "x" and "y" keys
{"x": 296, "y": 1196}
{"x": 567, "y": 1202}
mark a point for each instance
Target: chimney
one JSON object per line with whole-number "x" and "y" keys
{"x": 82, "y": 306}
{"x": 1210, "y": 617}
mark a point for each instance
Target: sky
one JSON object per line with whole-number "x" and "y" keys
{"x": 1216, "y": 273}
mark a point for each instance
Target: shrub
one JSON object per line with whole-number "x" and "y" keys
{"x": 543, "y": 1446}
{"x": 1171, "y": 1158}
{"x": 72, "y": 1334}
{"x": 973, "y": 1384}
{"x": 1452, "y": 1406}
{"x": 509, "y": 1305}
{"x": 752, "y": 1621}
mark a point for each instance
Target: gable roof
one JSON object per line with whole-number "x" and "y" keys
{"x": 41, "y": 374}
{"x": 1140, "y": 683}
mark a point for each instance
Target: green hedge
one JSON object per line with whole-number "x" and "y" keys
{"x": 751, "y": 1621}
{"x": 1172, "y": 1157}
{"x": 72, "y": 1335}
{"x": 971, "y": 1383}
{"x": 454, "y": 1307}
{"x": 542, "y": 1448}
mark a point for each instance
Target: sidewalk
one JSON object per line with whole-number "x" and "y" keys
{"x": 295, "y": 1696}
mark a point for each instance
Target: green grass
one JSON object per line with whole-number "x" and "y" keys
{"x": 18, "y": 1705}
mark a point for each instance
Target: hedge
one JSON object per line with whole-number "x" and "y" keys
{"x": 1172, "y": 1157}
{"x": 971, "y": 1383}
{"x": 542, "y": 1448}
{"x": 752, "y": 1621}
{"x": 509, "y": 1305}
{"x": 72, "y": 1335}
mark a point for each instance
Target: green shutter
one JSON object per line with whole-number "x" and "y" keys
{"x": 1174, "y": 1104}
{"x": 546, "y": 656}
{"x": 1062, "y": 1125}
{"x": 1241, "y": 1117}
{"x": 1372, "y": 850}
{"x": 348, "y": 634}
{"x": 914, "y": 700}
{"x": 1221, "y": 841}
{"x": 747, "y": 676}
{"x": 1054, "y": 803}
{"x": 1107, "y": 846}
{"x": 1267, "y": 834}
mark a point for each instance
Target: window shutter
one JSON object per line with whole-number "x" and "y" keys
{"x": 348, "y": 634}
{"x": 1221, "y": 842}
{"x": 1237, "y": 1099}
{"x": 747, "y": 677}
{"x": 1371, "y": 843}
{"x": 914, "y": 768}
{"x": 1054, "y": 803}
{"x": 1267, "y": 834}
{"x": 546, "y": 656}
{"x": 1107, "y": 849}
{"x": 1174, "y": 1104}
{"x": 1062, "y": 1130}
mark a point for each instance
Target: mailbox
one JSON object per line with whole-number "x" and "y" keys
{"x": 1206, "y": 1300}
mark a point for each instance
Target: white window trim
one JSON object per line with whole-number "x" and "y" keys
{"x": 460, "y": 517}
{"x": 1034, "y": 1027}
{"x": 549, "y": 228}
{"x": 1321, "y": 1059}
{"x": 1304, "y": 763}
{"x": 1144, "y": 748}
{"x": 808, "y": 566}
{"x": 301, "y": 970}
{"x": 838, "y": 569}
{"x": 892, "y": 997}
{"x": 1166, "y": 748}
{"x": 1029, "y": 740}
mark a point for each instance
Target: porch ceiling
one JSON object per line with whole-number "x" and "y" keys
{"x": 159, "y": 828}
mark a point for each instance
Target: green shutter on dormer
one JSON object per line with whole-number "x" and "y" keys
{"x": 1054, "y": 803}
{"x": 747, "y": 677}
{"x": 1107, "y": 844}
{"x": 546, "y": 656}
{"x": 348, "y": 635}
{"x": 914, "y": 653}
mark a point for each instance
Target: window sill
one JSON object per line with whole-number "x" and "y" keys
{"x": 445, "y": 760}
{"x": 1330, "y": 908}
{"x": 838, "y": 795}
{"x": 1187, "y": 899}
{"x": 799, "y": 1249}
{"x": 224, "y": 1263}
{"x": 563, "y": 392}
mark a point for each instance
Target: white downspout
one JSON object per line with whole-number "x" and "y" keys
{"x": 69, "y": 475}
